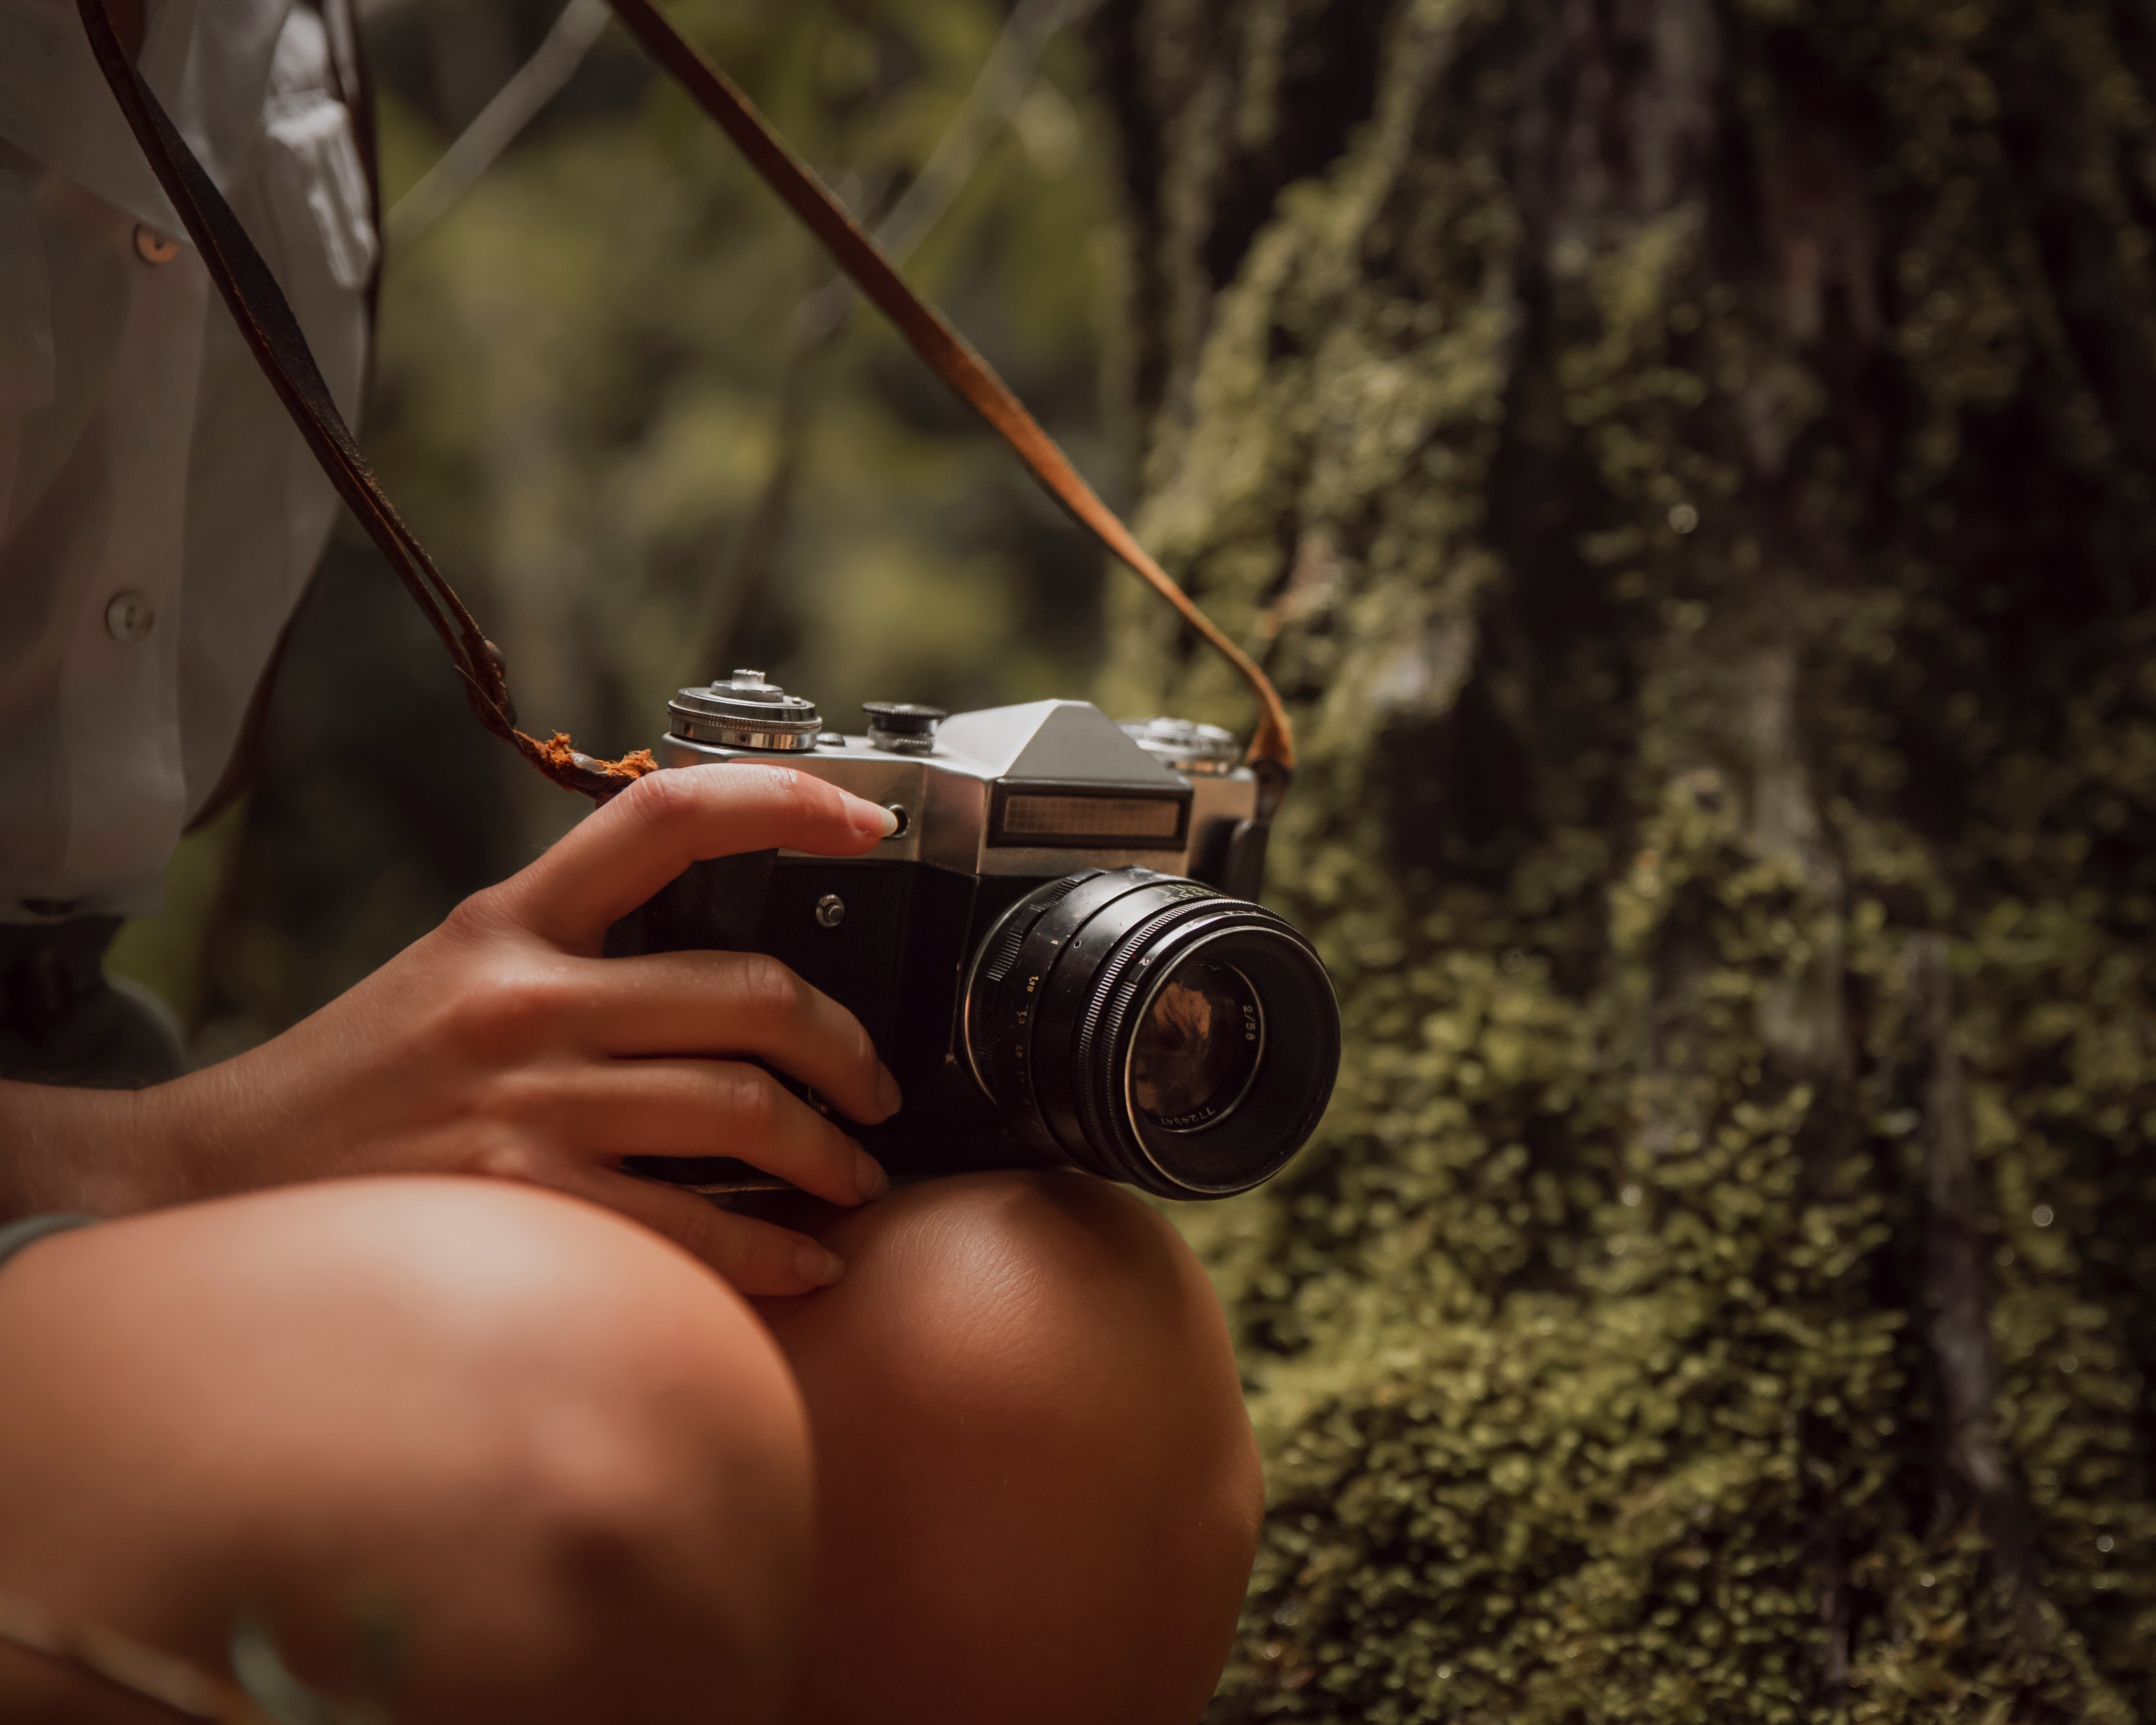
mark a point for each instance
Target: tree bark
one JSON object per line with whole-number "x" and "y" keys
{"x": 1693, "y": 466}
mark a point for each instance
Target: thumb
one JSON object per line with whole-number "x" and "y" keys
{"x": 618, "y": 856}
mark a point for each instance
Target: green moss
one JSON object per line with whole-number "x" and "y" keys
{"x": 1695, "y": 585}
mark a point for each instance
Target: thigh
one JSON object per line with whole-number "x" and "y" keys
{"x": 1038, "y": 1493}
{"x": 555, "y": 1465}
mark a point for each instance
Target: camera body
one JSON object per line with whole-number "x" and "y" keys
{"x": 1055, "y": 954}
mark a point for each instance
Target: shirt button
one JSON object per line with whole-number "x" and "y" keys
{"x": 152, "y": 247}
{"x": 129, "y": 617}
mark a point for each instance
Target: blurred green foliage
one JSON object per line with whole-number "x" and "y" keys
{"x": 595, "y": 403}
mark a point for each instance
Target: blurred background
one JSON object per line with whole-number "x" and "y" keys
{"x": 620, "y": 400}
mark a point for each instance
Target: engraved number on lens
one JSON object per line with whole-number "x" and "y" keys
{"x": 1197, "y": 1048}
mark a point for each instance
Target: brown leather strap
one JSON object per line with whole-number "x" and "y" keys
{"x": 265, "y": 318}
{"x": 947, "y": 352}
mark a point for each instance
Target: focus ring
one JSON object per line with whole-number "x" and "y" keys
{"x": 1004, "y": 1013}
{"x": 1003, "y": 1045}
{"x": 1069, "y": 982}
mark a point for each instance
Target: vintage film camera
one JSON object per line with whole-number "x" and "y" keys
{"x": 1055, "y": 954}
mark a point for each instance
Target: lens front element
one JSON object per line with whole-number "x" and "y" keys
{"x": 1198, "y": 1047}
{"x": 1153, "y": 1031}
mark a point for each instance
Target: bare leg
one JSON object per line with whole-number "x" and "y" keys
{"x": 565, "y": 1458}
{"x": 1037, "y": 1494}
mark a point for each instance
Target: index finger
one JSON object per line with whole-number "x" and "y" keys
{"x": 618, "y": 856}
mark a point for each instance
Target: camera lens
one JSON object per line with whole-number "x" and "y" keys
{"x": 1153, "y": 1031}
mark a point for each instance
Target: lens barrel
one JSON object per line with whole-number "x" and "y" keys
{"x": 1153, "y": 1031}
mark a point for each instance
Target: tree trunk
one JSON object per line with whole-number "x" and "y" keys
{"x": 1692, "y": 464}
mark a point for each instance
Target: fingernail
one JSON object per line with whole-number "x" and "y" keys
{"x": 888, "y": 1095}
{"x": 819, "y": 1268}
{"x": 875, "y": 818}
{"x": 869, "y": 1176}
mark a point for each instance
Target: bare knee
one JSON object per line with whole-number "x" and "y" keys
{"x": 561, "y": 1463}
{"x": 1037, "y": 1484}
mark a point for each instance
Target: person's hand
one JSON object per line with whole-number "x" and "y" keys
{"x": 502, "y": 1044}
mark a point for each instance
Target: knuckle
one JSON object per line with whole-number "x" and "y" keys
{"x": 700, "y": 1231}
{"x": 798, "y": 796}
{"x": 476, "y": 917}
{"x": 752, "y": 1103}
{"x": 508, "y": 1156}
{"x": 768, "y": 988}
{"x": 662, "y": 799}
{"x": 510, "y": 1008}
{"x": 523, "y": 1098}
{"x": 865, "y": 1055}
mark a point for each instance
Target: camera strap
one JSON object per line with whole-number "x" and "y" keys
{"x": 273, "y": 333}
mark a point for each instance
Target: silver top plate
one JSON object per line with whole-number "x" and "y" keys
{"x": 947, "y": 792}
